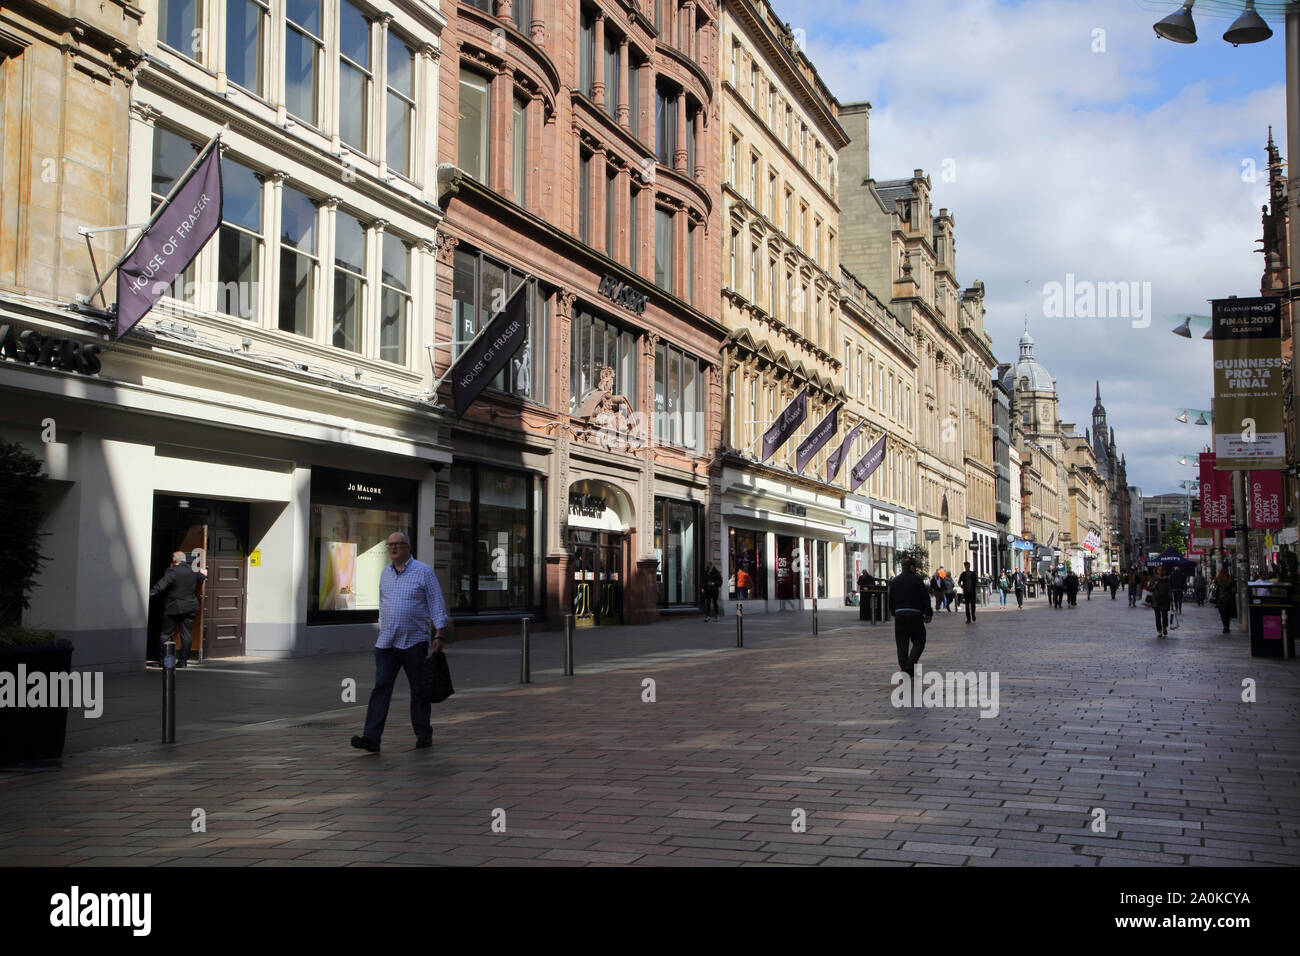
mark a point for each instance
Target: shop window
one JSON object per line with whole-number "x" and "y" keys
{"x": 352, "y": 515}
{"x": 349, "y": 282}
{"x": 677, "y": 546}
{"x": 474, "y": 126}
{"x": 180, "y": 26}
{"x": 480, "y": 286}
{"x": 745, "y": 549}
{"x": 598, "y": 344}
{"x": 789, "y": 567}
{"x": 303, "y": 43}
{"x": 297, "y": 262}
{"x": 679, "y": 406}
{"x": 491, "y": 521}
{"x": 246, "y": 22}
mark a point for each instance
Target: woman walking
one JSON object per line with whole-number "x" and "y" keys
{"x": 1162, "y": 595}
{"x": 1004, "y": 585}
{"x": 1225, "y": 597}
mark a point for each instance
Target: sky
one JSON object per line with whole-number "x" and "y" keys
{"x": 1067, "y": 139}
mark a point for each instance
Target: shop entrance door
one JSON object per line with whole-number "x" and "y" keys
{"x": 213, "y": 534}
{"x": 599, "y": 559}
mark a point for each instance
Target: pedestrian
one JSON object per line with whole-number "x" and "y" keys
{"x": 1004, "y": 585}
{"x": 910, "y": 605}
{"x": 865, "y": 581}
{"x": 179, "y": 587}
{"x": 1020, "y": 583}
{"x": 712, "y": 585}
{"x": 1178, "y": 581}
{"x": 968, "y": 582}
{"x": 949, "y": 591}
{"x": 743, "y": 583}
{"x": 1132, "y": 587}
{"x": 1114, "y": 583}
{"x": 1225, "y": 596}
{"x": 1198, "y": 586}
{"x": 1089, "y": 582}
{"x": 410, "y": 598}
{"x": 1071, "y": 582}
{"x": 1161, "y": 598}
{"x": 1058, "y": 588}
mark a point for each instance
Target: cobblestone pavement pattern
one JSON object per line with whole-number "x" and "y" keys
{"x": 1095, "y": 712}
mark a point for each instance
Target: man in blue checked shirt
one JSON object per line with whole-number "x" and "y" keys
{"x": 409, "y": 598}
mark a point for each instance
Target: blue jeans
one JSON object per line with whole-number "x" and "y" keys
{"x": 388, "y": 661}
{"x": 1003, "y": 592}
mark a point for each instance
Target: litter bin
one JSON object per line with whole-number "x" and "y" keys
{"x": 1272, "y": 620}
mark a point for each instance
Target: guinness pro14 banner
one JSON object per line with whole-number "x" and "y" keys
{"x": 1248, "y": 431}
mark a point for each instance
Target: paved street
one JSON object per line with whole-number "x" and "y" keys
{"x": 738, "y": 747}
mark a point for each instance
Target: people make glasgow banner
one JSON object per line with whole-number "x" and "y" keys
{"x": 178, "y": 231}
{"x": 811, "y": 445}
{"x": 490, "y": 350}
{"x": 1216, "y": 494}
{"x": 836, "y": 458}
{"x": 786, "y": 425}
{"x": 868, "y": 463}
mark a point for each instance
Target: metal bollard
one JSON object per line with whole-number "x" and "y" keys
{"x": 169, "y": 693}
{"x": 568, "y": 645}
{"x": 525, "y": 655}
{"x": 814, "y": 617}
{"x": 740, "y": 625}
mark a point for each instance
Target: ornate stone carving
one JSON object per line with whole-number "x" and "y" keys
{"x": 446, "y": 246}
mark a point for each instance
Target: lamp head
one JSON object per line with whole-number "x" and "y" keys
{"x": 1185, "y": 330}
{"x": 1182, "y": 417}
{"x": 1179, "y": 26}
{"x": 1248, "y": 28}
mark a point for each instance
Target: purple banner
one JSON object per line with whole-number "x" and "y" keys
{"x": 869, "y": 463}
{"x": 836, "y": 458}
{"x": 786, "y": 425}
{"x": 171, "y": 242}
{"x": 811, "y": 445}
{"x": 481, "y": 362}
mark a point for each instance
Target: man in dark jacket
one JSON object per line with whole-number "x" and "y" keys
{"x": 865, "y": 580}
{"x": 969, "y": 584}
{"x": 712, "y": 587}
{"x": 909, "y": 602}
{"x": 178, "y": 586}
{"x": 1072, "y": 587}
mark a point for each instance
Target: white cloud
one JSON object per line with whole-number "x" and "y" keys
{"x": 1103, "y": 165}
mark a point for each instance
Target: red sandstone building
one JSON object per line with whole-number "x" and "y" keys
{"x": 579, "y": 154}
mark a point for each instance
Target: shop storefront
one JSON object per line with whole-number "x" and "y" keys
{"x": 905, "y": 532}
{"x": 883, "y": 542}
{"x": 982, "y": 551}
{"x": 857, "y": 544}
{"x": 495, "y": 517}
{"x": 785, "y": 541}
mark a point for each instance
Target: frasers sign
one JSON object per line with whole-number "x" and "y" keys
{"x": 35, "y": 348}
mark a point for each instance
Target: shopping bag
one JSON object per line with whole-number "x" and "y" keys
{"x": 435, "y": 681}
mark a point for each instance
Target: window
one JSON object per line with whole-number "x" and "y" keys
{"x": 303, "y": 42}
{"x": 753, "y": 273}
{"x": 771, "y": 108}
{"x": 587, "y": 53}
{"x": 789, "y": 213}
{"x": 349, "y": 282}
{"x": 817, "y": 241}
{"x": 348, "y": 548}
{"x": 735, "y": 260}
{"x": 789, "y": 126}
{"x": 753, "y": 177}
{"x": 753, "y": 85}
{"x": 664, "y": 249}
{"x": 354, "y": 77}
{"x": 521, "y": 12}
{"x": 180, "y": 26}
{"x": 401, "y": 104}
{"x": 493, "y": 515}
{"x": 803, "y": 227}
{"x": 479, "y": 285}
{"x": 830, "y": 250}
{"x": 803, "y": 146}
{"x": 848, "y": 369}
{"x": 297, "y": 262}
{"x": 665, "y": 124}
{"x": 677, "y": 547}
{"x": 634, "y": 94}
{"x": 735, "y": 64}
{"x": 690, "y": 263}
{"x": 735, "y": 161}
{"x": 395, "y": 304}
{"x": 691, "y": 114}
{"x": 774, "y": 286}
{"x": 611, "y": 217}
{"x": 519, "y": 146}
{"x": 584, "y": 197}
{"x": 611, "y": 73}
{"x": 633, "y": 228}
{"x": 678, "y": 402}
{"x": 172, "y": 156}
{"x": 240, "y": 241}
{"x": 474, "y": 126}
{"x": 771, "y": 195}
{"x": 745, "y": 553}
{"x": 597, "y": 344}
{"x": 245, "y": 29}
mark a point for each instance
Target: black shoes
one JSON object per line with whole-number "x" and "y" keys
{"x": 421, "y": 743}
{"x": 365, "y": 743}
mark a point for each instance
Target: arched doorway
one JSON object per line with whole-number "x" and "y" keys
{"x": 600, "y": 517}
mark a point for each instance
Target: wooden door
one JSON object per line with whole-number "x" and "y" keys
{"x": 226, "y": 589}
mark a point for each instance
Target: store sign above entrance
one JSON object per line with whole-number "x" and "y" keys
{"x": 586, "y": 506}
{"x": 623, "y": 294}
{"x": 34, "y": 348}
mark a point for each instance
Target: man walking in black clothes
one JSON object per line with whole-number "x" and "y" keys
{"x": 909, "y": 602}
{"x": 969, "y": 583}
{"x": 178, "y": 586}
{"x": 712, "y": 587}
{"x": 1072, "y": 588}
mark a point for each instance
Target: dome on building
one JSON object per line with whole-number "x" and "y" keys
{"x": 1040, "y": 380}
